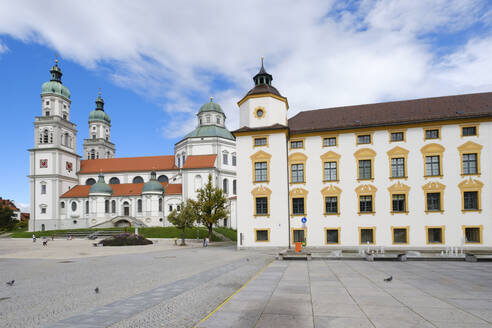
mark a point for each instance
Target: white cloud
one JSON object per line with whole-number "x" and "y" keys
{"x": 3, "y": 47}
{"x": 321, "y": 53}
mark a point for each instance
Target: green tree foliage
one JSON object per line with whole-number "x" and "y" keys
{"x": 211, "y": 205}
{"x": 184, "y": 218}
{"x": 6, "y": 218}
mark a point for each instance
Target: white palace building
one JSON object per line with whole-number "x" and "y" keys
{"x": 68, "y": 192}
{"x": 404, "y": 174}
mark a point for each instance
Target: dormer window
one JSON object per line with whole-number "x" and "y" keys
{"x": 218, "y": 120}
{"x": 208, "y": 119}
{"x": 47, "y": 113}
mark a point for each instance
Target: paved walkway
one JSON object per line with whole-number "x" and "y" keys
{"x": 353, "y": 294}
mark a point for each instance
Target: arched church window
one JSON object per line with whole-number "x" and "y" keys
{"x": 138, "y": 179}
{"x": 113, "y": 206}
{"x": 106, "y": 206}
{"x": 162, "y": 178}
{"x": 74, "y": 206}
{"x": 86, "y": 207}
{"x": 139, "y": 206}
{"x": 225, "y": 158}
{"x": 43, "y": 188}
{"x": 90, "y": 181}
{"x": 184, "y": 158}
{"x": 208, "y": 119}
{"x": 218, "y": 119}
{"x": 92, "y": 154}
{"x": 114, "y": 180}
{"x": 51, "y": 137}
{"x": 160, "y": 204}
{"x": 234, "y": 187}
{"x": 179, "y": 161}
{"x": 225, "y": 185}
{"x": 62, "y": 204}
{"x": 45, "y": 136}
{"x": 198, "y": 182}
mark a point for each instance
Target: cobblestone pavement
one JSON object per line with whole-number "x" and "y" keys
{"x": 169, "y": 288}
{"x": 354, "y": 294}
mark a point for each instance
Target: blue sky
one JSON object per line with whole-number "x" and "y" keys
{"x": 156, "y": 64}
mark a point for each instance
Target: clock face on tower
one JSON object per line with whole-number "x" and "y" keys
{"x": 69, "y": 166}
{"x": 43, "y": 163}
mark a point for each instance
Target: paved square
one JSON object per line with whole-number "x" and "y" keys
{"x": 354, "y": 294}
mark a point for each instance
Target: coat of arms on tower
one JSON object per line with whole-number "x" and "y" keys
{"x": 69, "y": 166}
{"x": 43, "y": 163}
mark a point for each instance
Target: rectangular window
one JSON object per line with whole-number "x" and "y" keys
{"x": 432, "y": 166}
{"x": 470, "y": 200}
{"x": 434, "y": 235}
{"x": 234, "y": 160}
{"x": 170, "y": 208}
{"x": 43, "y": 210}
{"x": 225, "y": 159}
{"x": 331, "y": 171}
{"x": 261, "y": 205}
{"x": 106, "y": 206}
{"x": 472, "y": 235}
{"x": 43, "y": 189}
{"x": 400, "y": 236}
{"x": 218, "y": 120}
{"x": 297, "y": 172}
{"x": 396, "y": 136}
{"x": 331, "y": 205}
{"x": 365, "y": 204}
{"x": 47, "y": 113}
{"x": 398, "y": 167}
{"x": 298, "y": 236}
{"x": 432, "y": 134}
{"x": 262, "y": 235}
{"x": 434, "y": 201}
{"x": 469, "y": 131}
{"x": 298, "y": 206}
{"x": 139, "y": 206}
{"x": 261, "y": 171}
{"x": 329, "y": 142}
{"x": 365, "y": 169}
{"x": 364, "y": 139}
{"x": 332, "y": 236}
{"x": 260, "y": 141}
{"x": 296, "y": 144}
{"x": 367, "y": 236}
{"x": 470, "y": 164}
{"x": 399, "y": 203}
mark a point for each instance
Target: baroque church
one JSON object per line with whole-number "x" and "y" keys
{"x": 70, "y": 191}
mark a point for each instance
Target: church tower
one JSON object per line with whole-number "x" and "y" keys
{"x": 98, "y": 144}
{"x": 53, "y": 160}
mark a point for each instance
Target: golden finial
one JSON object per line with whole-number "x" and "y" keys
{"x": 56, "y": 59}
{"x": 99, "y": 92}
{"x": 211, "y": 98}
{"x": 262, "y": 60}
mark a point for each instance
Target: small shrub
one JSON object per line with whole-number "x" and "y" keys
{"x": 125, "y": 239}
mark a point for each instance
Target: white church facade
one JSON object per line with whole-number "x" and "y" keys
{"x": 404, "y": 175}
{"x": 101, "y": 190}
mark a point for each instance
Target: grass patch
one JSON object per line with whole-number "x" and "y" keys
{"x": 228, "y": 232}
{"x": 151, "y": 232}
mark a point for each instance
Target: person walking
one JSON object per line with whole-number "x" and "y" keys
{"x": 206, "y": 241}
{"x": 33, "y": 238}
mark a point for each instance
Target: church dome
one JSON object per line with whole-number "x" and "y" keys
{"x": 100, "y": 187}
{"x": 210, "y": 131}
{"x": 55, "y": 86}
{"x": 152, "y": 186}
{"x": 210, "y": 107}
{"x": 99, "y": 114}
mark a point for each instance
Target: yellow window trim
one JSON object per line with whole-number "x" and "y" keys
{"x": 331, "y": 191}
{"x": 404, "y": 131}
{"x": 261, "y": 191}
{"x": 475, "y": 125}
{"x": 480, "y": 227}
{"x": 366, "y": 190}
{"x": 471, "y": 185}
{"x": 398, "y": 152}
{"x": 261, "y": 156}
{"x": 370, "y": 133}
{"x": 324, "y": 136}
{"x": 294, "y": 140}
{"x": 297, "y": 158}
{"x": 339, "y": 236}
{"x": 407, "y": 230}
{"x": 432, "y": 128}
{"x": 373, "y": 235}
{"x": 365, "y": 154}
{"x": 297, "y": 193}
{"x": 330, "y": 156}
{"x": 399, "y": 189}
{"x": 260, "y": 137}
{"x": 292, "y": 234}
{"x": 470, "y": 147}
{"x": 433, "y": 149}
{"x": 262, "y": 241}
{"x": 434, "y": 187}
{"x": 443, "y": 235}
{"x": 256, "y": 112}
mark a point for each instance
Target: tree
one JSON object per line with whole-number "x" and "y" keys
{"x": 184, "y": 218}
{"x": 211, "y": 205}
{"x": 7, "y": 221}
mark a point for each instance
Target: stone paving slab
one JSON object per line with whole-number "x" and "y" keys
{"x": 353, "y": 294}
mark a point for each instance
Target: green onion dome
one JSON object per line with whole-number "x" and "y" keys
{"x": 99, "y": 114}
{"x": 210, "y": 107}
{"x": 100, "y": 187}
{"x": 55, "y": 86}
{"x": 153, "y": 186}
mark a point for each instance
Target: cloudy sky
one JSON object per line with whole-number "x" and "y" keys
{"x": 158, "y": 61}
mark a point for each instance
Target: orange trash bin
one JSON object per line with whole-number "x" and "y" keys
{"x": 298, "y": 247}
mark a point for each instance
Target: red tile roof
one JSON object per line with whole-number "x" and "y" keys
{"x": 8, "y": 203}
{"x": 200, "y": 161}
{"x": 124, "y": 189}
{"x": 475, "y": 105}
{"x": 128, "y": 164}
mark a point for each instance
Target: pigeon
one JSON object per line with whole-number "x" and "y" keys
{"x": 96, "y": 290}
{"x": 388, "y": 279}
{"x": 10, "y": 283}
